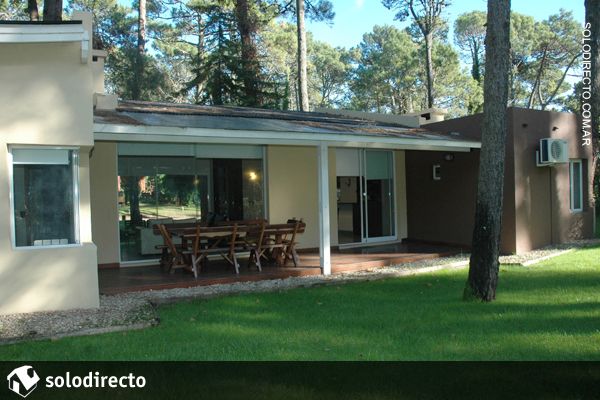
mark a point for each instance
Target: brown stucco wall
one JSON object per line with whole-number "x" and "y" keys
{"x": 542, "y": 197}
{"x": 536, "y": 200}
{"x": 441, "y": 211}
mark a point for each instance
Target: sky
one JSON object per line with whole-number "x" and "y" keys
{"x": 356, "y": 17}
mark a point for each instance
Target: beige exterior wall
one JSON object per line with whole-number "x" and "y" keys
{"x": 400, "y": 182}
{"x": 105, "y": 212}
{"x": 48, "y": 98}
{"x": 333, "y": 221}
{"x": 293, "y": 191}
{"x": 46, "y": 101}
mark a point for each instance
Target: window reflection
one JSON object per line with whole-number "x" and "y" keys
{"x": 44, "y": 197}
{"x": 154, "y": 190}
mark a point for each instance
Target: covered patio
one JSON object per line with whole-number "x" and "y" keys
{"x": 343, "y": 176}
{"x": 133, "y": 279}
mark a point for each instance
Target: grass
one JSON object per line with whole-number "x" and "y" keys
{"x": 547, "y": 312}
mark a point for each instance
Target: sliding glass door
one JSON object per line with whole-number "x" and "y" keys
{"x": 379, "y": 195}
{"x": 365, "y": 196}
{"x": 160, "y": 184}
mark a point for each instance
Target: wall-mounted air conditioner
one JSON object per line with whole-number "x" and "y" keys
{"x": 551, "y": 152}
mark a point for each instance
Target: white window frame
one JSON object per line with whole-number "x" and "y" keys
{"x": 76, "y": 199}
{"x": 572, "y": 164}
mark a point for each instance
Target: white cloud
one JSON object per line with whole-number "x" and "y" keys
{"x": 359, "y": 3}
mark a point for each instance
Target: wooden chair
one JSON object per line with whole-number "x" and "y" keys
{"x": 234, "y": 245}
{"x": 198, "y": 257}
{"x": 290, "y": 243}
{"x": 255, "y": 242}
{"x": 177, "y": 256}
{"x": 274, "y": 242}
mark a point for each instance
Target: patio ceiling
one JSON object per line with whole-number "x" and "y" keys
{"x": 162, "y": 122}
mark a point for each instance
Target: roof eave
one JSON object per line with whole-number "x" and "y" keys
{"x": 143, "y": 133}
{"x": 47, "y": 33}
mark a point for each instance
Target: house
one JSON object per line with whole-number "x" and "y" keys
{"x": 23, "y": 380}
{"x": 87, "y": 176}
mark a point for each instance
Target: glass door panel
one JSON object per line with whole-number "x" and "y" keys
{"x": 349, "y": 210}
{"x": 349, "y": 203}
{"x": 379, "y": 195}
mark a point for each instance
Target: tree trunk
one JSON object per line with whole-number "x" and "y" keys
{"x": 32, "y": 10}
{"x": 216, "y": 86}
{"x": 141, "y": 39}
{"x": 429, "y": 65}
{"x": 592, "y": 16}
{"x": 247, "y": 30}
{"x": 52, "y": 10}
{"x": 476, "y": 69}
{"x": 136, "y": 92}
{"x": 483, "y": 270}
{"x": 200, "y": 58}
{"x": 302, "y": 68}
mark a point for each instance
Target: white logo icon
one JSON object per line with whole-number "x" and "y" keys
{"x": 23, "y": 380}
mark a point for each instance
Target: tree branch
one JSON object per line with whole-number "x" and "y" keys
{"x": 562, "y": 79}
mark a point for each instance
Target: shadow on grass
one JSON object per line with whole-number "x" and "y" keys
{"x": 550, "y": 312}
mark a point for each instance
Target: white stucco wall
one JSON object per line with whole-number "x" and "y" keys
{"x": 46, "y": 99}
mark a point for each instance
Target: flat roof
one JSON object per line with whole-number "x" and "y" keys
{"x": 153, "y": 114}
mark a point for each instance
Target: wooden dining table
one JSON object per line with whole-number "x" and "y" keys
{"x": 278, "y": 241}
{"x": 223, "y": 240}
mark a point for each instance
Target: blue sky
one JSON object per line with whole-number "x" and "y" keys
{"x": 356, "y": 17}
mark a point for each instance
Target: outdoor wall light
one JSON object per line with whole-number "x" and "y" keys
{"x": 252, "y": 175}
{"x": 449, "y": 157}
{"x": 437, "y": 172}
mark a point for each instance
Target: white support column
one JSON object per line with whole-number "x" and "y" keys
{"x": 324, "y": 237}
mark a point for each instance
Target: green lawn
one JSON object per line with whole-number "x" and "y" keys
{"x": 546, "y": 312}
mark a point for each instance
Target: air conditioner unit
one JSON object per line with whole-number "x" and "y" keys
{"x": 552, "y": 151}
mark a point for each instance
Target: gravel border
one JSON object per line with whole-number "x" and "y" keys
{"x": 546, "y": 253}
{"x": 137, "y": 310}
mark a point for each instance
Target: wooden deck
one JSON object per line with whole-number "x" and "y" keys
{"x": 133, "y": 279}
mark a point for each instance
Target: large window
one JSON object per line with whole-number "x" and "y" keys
{"x": 44, "y": 196}
{"x": 576, "y": 185}
{"x": 179, "y": 188}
